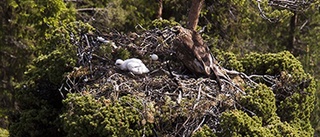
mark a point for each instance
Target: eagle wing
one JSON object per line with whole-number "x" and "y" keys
{"x": 196, "y": 56}
{"x": 137, "y": 67}
{"x": 192, "y": 52}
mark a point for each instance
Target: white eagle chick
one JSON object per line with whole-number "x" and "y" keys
{"x": 133, "y": 65}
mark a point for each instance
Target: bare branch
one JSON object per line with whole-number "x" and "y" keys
{"x": 293, "y": 5}
{"x": 91, "y": 9}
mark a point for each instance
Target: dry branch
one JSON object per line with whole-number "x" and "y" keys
{"x": 91, "y": 9}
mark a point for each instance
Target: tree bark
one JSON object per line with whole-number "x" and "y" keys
{"x": 160, "y": 7}
{"x": 292, "y": 38}
{"x": 194, "y": 14}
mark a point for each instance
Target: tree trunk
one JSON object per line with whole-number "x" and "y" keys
{"x": 292, "y": 38}
{"x": 160, "y": 7}
{"x": 194, "y": 13}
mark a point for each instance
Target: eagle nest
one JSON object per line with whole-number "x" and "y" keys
{"x": 199, "y": 100}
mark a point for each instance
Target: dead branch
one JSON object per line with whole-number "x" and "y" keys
{"x": 293, "y": 5}
{"x": 91, "y": 9}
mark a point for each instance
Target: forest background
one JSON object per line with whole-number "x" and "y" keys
{"x": 36, "y": 46}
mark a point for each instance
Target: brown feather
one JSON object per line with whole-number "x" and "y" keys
{"x": 196, "y": 56}
{"x": 192, "y": 52}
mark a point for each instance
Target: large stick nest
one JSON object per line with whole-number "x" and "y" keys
{"x": 197, "y": 100}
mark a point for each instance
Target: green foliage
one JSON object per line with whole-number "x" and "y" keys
{"x": 38, "y": 97}
{"x": 37, "y": 119}
{"x": 86, "y": 116}
{"x": 237, "y": 25}
{"x": 38, "y": 35}
{"x": 239, "y": 123}
{"x": 309, "y": 53}
{"x": 168, "y": 116}
{"x": 162, "y": 23}
{"x": 296, "y": 108}
{"x": 176, "y": 10}
{"x": 113, "y": 15}
{"x": 296, "y": 96}
{"x": 57, "y": 55}
{"x": 204, "y": 131}
{"x": 116, "y": 14}
{"x": 93, "y": 3}
{"x": 35, "y": 18}
{"x": 314, "y": 115}
{"x": 139, "y": 13}
{"x": 261, "y": 102}
{"x": 227, "y": 59}
{"x": 48, "y": 32}
{"x": 14, "y": 57}
{"x": 282, "y": 111}
{"x": 4, "y": 132}
{"x": 272, "y": 64}
{"x": 124, "y": 54}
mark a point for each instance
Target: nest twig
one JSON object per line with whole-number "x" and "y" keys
{"x": 201, "y": 97}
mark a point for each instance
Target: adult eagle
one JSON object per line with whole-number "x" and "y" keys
{"x": 195, "y": 55}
